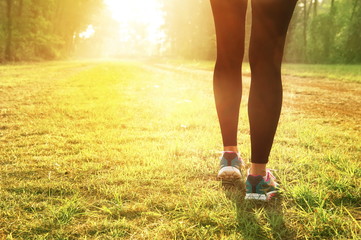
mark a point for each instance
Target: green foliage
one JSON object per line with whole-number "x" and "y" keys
{"x": 321, "y": 31}
{"x": 189, "y": 28}
{"x": 42, "y": 30}
{"x": 330, "y": 35}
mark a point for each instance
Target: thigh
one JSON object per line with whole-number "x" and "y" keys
{"x": 229, "y": 18}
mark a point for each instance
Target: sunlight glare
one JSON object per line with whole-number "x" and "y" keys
{"x": 129, "y": 13}
{"x": 89, "y": 32}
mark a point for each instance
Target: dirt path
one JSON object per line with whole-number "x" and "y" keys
{"x": 336, "y": 102}
{"x": 330, "y": 99}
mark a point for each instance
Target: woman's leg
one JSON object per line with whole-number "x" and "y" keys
{"x": 229, "y": 18}
{"x": 270, "y": 20}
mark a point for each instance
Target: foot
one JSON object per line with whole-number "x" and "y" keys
{"x": 230, "y": 166}
{"x": 261, "y": 188}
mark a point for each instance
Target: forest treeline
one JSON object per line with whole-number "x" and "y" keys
{"x": 321, "y": 31}
{"x": 42, "y": 29}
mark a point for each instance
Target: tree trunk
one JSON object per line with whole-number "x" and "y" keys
{"x": 8, "y": 52}
{"x": 305, "y": 30}
{"x": 315, "y": 6}
{"x": 332, "y": 9}
{"x": 21, "y": 6}
{"x": 354, "y": 9}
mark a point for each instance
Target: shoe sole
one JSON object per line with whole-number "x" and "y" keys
{"x": 261, "y": 197}
{"x": 229, "y": 173}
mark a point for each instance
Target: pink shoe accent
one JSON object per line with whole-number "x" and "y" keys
{"x": 269, "y": 175}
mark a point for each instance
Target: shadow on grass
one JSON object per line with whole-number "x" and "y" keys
{"x": 258, "y": 219}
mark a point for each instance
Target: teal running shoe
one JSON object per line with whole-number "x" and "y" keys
{"x": 230, "y": 166}
{"x": 261, "y": 188}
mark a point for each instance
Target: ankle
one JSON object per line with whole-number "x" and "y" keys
{"x": 258, "y": 169}
{"x": 230, "y": 149}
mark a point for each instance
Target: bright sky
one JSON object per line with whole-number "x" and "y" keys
{"x": 144, "y": 12}
{"x": 88, "y": 32}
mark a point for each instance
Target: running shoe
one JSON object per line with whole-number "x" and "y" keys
{"x": 261, "y": 188}
{"x": 230, "y": 166}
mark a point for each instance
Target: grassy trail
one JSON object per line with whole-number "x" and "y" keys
{"x": 127, "y": 150}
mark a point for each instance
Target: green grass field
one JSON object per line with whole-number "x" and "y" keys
{"x": 339, "y": 72}
{"x": 128, "y": 150}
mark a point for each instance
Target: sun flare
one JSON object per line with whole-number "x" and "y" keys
{"x": 132, "y": 13}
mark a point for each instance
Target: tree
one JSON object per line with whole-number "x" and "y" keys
{"x": 189, "y": 28}
{"x": 38, "y": 29}
{"x": 9, "y": 26}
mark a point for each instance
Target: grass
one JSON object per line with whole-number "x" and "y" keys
{"x": 122, "y": 150}
{"x": 349, "y": 73}
{"x": 340, "y": 72}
